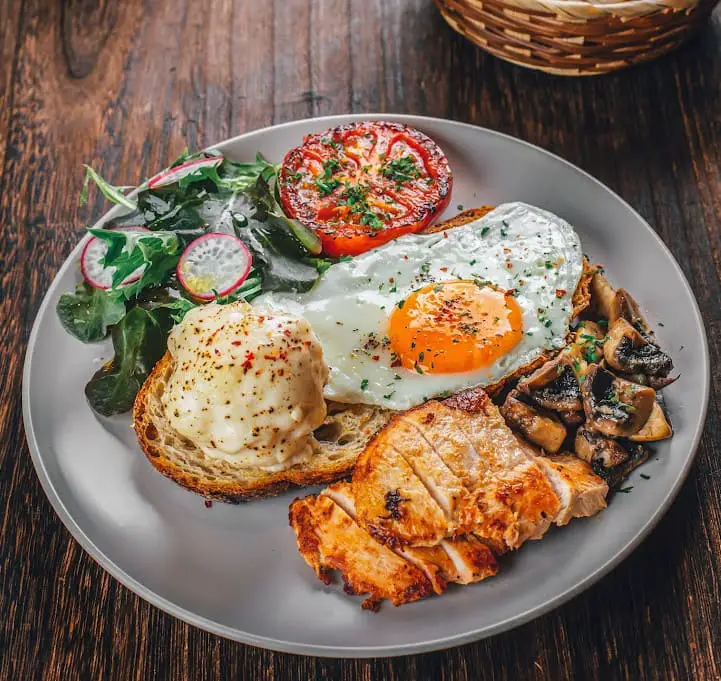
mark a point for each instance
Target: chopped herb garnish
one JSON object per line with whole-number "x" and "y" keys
{"x": 364, "y": 384}
{"x": 372, "y": 220}
{"x": 326, "y": 183}
{"x": 645, "y": 477}
{"x": 389, "y": 395}
{"x": 485, "y": 231}
{"x": 625, "y": 490}
{"x": 401, "y": 170}
{"x": 417, "y": 368}
{"x": 400, "y": 304}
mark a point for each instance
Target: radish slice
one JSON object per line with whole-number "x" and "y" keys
{"x": 172, "y": 175}
{"x": 92, "y": 268}
{"x": 214, "y": 265}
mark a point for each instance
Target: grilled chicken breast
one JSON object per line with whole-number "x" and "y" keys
{"x": 330, "y": 538}
{"x": 581, "y": 492}
{"x": 437, "y": 491}
{"x": 451, "y": 468}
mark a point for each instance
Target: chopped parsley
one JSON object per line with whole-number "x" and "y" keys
{"x": 485, "y": 231}
{"x": 364, "y": 384}
{"x": 401, "y": 170}
{"x": 389, "y": 395}
{"x": 400, "y": 303}
{"x": 355, "y": 196}
{"x": 326, "y": 183}
{"x": 625, "y": 490}
{"x": 372, "y": 220}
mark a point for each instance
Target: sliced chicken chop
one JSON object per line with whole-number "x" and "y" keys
{"x": 507, "y": 497}
{"x": 460, "y": 561}
{"x": 329, "y": 539}
{"x": 581, "y": 492}
{"x": 393, "y": 503}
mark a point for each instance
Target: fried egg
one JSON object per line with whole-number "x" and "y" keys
{"x": 432, "y": 314}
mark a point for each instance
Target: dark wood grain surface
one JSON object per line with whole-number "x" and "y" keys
{"x": 125, "y": 85}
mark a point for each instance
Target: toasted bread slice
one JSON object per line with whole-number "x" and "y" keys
{"x": 339, "y": 441}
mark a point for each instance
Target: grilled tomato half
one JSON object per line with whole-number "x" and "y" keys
{"x": 360, "y": 185}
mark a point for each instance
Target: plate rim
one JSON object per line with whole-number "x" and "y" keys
{"x": 394, "y": 650}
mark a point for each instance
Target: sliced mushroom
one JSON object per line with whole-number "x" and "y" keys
{"x": 656, "y": 428}
{"x": 625, "y": 307}
{"x": 655, "y": 382}
{"x": 572, "y": 418}
{"x": 536, "y": 424}
{"x": 614, "y": 406}
{"x": 554, "y": 386}
{"x": 608, "y": 458}
{"x": 602, "y": 295}
{"x": 626, "y": 350}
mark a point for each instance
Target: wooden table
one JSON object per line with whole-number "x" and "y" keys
{"x": 126, "y": 85}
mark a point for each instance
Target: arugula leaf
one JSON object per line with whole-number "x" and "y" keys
{"x": 158, "y": 252}
{"x": 87, "y": 313}
{"x": 110, "y": 192}
{"x": 139, "y": 341}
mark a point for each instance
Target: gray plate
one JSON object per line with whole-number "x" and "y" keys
{"x": 235, "y": 570}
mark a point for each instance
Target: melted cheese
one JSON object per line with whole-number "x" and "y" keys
{"x": 247, "y": 385}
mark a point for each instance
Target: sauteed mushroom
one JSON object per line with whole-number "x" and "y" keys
{"x": 554, "y": 386}
{"x": 608, "y": 458}
{"x": 626, "y": 350}
{"x": 625, "y": 307}
{"x": 655, "y": 382}
{"x": 656, "y": 428}
{"x": 614, "y": 406}
{"x": 602, "y": 295}
{"x": 536, "y": 424}
{"x": 571, "y": 418}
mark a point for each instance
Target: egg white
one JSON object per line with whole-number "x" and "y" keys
{"x": 516, "y": 246}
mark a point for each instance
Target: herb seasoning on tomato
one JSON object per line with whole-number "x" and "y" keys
{"x": 362, "y": 184}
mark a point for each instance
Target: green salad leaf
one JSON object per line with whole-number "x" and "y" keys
{"x": 139, "y": 341}
{"x": 157, "y": 252}
{"x": 89, "y": 312}
{"x": 110, "y": 192}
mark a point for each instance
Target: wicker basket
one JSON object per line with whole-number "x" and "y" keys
{"x": 576, "y": 37}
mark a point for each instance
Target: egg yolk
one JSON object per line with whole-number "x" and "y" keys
{"x": 454, "y": 326}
